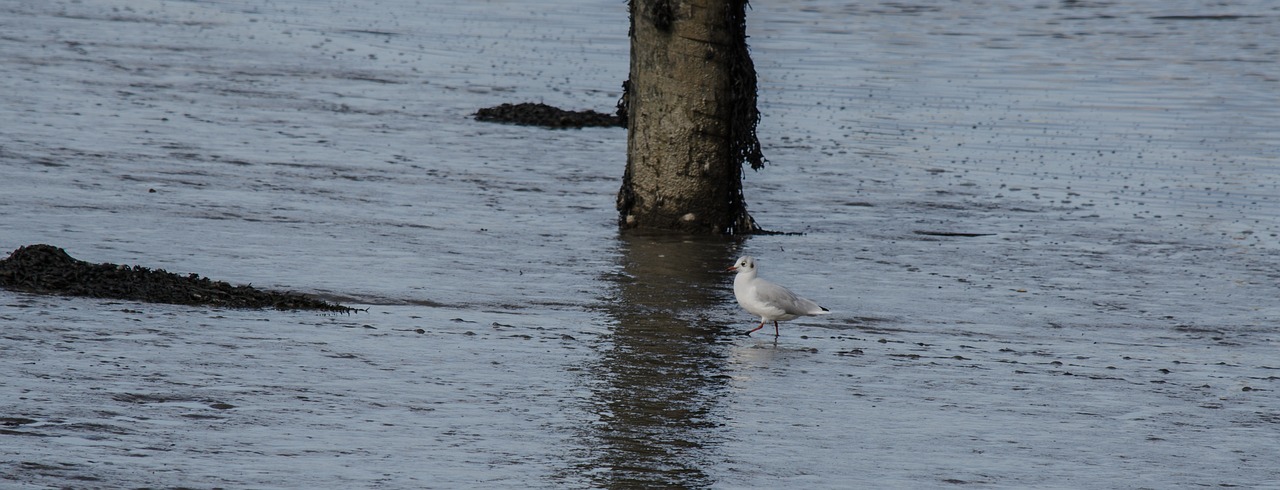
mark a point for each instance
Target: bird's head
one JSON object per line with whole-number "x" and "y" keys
{"x": 743, "y": 264}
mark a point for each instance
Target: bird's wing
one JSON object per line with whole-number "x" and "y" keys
{"x": 783, "y": 299}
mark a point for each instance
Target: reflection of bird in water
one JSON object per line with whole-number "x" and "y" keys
{"x": 767, "y": 300}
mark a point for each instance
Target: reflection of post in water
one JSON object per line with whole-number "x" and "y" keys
{"x": 657, "y": 386}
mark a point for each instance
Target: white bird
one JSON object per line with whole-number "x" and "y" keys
{"x": 767, "y": 300}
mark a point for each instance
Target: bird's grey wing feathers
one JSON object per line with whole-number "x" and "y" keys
{"x": 783, "y": 299}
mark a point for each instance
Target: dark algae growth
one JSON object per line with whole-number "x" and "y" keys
{"x": 46, "y": 269}
{"x": 530, "y": 114}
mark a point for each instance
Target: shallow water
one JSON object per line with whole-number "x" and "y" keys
{"x": 1111, "y": 323}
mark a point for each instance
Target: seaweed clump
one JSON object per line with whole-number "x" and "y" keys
{"x": 46, "y": 269}
{"x": 530, "y": 114}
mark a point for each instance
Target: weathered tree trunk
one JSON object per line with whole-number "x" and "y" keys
{"x": 691, "y": 115}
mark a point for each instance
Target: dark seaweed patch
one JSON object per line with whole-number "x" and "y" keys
{"x": 45, "y": 269}
{"x": 529, "y": 114}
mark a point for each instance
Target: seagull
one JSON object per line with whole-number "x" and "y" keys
{"x": 767, "y": 300}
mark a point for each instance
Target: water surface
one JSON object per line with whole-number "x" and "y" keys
{"x": 1047, "y": 230}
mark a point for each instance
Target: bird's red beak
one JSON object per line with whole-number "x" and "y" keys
{"x": 732, "y": 268}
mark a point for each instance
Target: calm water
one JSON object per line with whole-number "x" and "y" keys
{"x": 1112, "y": 323}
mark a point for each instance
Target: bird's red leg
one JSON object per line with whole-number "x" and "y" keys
{"x": 757, "y": 328}
{"x": 775, "y": 328}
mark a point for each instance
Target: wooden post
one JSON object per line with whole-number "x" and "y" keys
{"x": 691, "y": 116}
